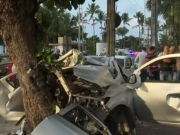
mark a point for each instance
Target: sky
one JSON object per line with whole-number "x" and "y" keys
{"x": 123, "y": 6}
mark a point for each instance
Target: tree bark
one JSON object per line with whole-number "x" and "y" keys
{"x": 21, "y": 34}
{"x": 94, "y": 46}
{"x": 154, "y": 41}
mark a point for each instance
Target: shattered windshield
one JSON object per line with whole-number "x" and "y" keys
{"x": 120, "y": 61}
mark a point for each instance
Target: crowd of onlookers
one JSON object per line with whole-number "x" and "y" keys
{"x": 166, "y": 69}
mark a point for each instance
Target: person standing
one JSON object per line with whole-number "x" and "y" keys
{"x": 178, "y": 66}
{"x": 166, "y": 72}
{"x": 56, "y": 55}
{"x": 63, "y": 52}
{"x": 172, "y": 50}
{"x": 140, "y": 58}
{"x": 153, "y": 71}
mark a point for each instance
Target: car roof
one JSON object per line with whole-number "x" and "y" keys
{"x": 121, "y": 57}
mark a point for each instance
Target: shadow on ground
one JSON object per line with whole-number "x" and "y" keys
{"x": 144, "y": 128}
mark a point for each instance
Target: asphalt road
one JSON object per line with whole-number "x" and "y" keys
{"x": 142, "y": 128}
{"x": 145, "y": 128}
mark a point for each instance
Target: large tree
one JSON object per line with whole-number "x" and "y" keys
{"x": 21, "y": 34}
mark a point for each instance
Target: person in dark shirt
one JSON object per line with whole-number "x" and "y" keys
{"x": 153, "y": 71}
{"x": 166, "y": 72}
{"x": 56, "y": 55}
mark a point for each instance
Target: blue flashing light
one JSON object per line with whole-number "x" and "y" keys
{"x": 131, "y": 53}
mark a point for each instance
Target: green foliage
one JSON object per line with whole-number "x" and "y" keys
{"x": 169, "y": 10}
{"x": 122, "y": 31}
{"x": 57, "y": 23}
{"x": 66, "y": 4}
{"x": 125, "y": 19}
{"x": 90, "y": 47}
{"x": 167, "y": 40}
{"x": 129, "y": 42}
{"x": 45, "y": 54}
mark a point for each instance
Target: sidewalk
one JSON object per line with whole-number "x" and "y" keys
{"x": 8, "y": 125}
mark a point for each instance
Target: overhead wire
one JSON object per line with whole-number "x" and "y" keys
{"x": 137, "y": 3}
{"x": 132, "y": 3}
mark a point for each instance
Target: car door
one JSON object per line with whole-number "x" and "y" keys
{"x": 158, "y": 101}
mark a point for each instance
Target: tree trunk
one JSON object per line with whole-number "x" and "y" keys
{"x": 101, "y": 33}
{"x": 21, "y": 34}
{"x": 67, "y": 43}
{"x": 154, "y": 23}
{"x": 94, "y": 46}
{"x": 122, "y": 42}
{"x": 139, "y": 35}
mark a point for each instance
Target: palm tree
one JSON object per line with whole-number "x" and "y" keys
{"x": 101, "y": 18}
{"x": 69, "y": 23}
{"x": 122, "y": 31}
{"x": 125, "y": 19}
{"x": 170, "y": 12}
{"x": 140, "y": 20}
{"x": 92, "y": 10}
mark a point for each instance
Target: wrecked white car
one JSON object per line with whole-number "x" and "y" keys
{"x": 98, "y": 86}
{"x": 117, "y": 104}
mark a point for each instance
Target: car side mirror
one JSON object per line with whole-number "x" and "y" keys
{"x": 132, "y": 79}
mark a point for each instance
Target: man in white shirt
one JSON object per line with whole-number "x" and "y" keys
{"x": 140, "y": 58}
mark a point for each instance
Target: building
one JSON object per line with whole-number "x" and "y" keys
{"x": 66, "y": 45}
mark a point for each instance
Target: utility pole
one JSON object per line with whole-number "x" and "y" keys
{"x": 144, "y": 30}
{"x": 110, "y": 28}
{"x": 154, "y": 22}
{"x": 148, "y": 37}
{"x": 79, "y": 29}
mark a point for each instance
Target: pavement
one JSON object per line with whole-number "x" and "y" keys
{"x": 143, "y": 128}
